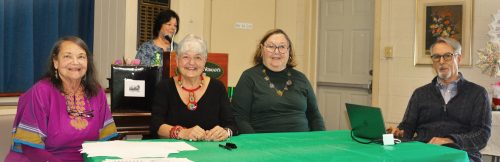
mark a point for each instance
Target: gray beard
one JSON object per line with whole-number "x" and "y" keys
{"x": 443, "y": 76}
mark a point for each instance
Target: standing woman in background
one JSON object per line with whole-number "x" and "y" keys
{"x": 166, "y": 25}
{"x": 62, "y": 110}
{"x": 272, "y": 96}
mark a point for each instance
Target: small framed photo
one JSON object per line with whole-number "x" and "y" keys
{"x": 443, "y": 18}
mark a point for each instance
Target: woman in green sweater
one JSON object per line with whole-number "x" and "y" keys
{"x": 272, "y": 96}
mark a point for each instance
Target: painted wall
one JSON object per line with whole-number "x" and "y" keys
{"x": 115, "y": 34}
{"x": 398, "y": 77}
{"x": 208, "y": 18}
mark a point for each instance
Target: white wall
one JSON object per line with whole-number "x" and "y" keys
{"x": 115, "y": 34}
{"x": 194, "y": 17}
{"x": 398, "y": 77}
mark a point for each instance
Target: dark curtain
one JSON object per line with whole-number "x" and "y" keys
{"x": 29, "y": 28}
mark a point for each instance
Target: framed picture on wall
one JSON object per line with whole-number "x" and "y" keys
{"x": 443, "y": 18}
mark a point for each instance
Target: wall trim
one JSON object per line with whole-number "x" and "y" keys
{"x": 8, "y": 111}
{"x": 376, "y": 53}
{"x": 8, "y": 101}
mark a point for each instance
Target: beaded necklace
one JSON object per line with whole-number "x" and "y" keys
{"x": 192, "y": 104}
{"x": 272, "y": 86}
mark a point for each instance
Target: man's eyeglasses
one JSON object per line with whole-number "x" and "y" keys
{"x": 446, "y": 57}
{"x": 272, "y": 48}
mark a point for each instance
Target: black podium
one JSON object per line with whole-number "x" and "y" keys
{"x": 120, "y": 75}
{"x": 132, "y": 92}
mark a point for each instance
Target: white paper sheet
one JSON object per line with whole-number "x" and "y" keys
{"x": 150, "y": 160}
{"x": 131, "y": 149}
{"x": 134, "y": 88}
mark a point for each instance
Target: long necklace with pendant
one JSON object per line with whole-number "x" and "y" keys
{"x": 272, "y": 86}
{"x": 192, "y": 104}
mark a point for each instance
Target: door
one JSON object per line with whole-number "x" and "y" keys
{"x": 345, "y": 58}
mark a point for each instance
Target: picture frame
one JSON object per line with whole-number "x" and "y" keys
{"x": 438, "y": 18}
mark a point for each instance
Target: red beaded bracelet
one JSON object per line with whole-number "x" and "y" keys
{"x": 174, "y": 131}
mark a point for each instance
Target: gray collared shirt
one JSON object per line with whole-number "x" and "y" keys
{"x": 447, "y": 91}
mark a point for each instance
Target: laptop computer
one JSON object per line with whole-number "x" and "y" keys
{"x": 366, "y": 121}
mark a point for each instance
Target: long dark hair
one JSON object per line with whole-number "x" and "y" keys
{"x": 90, "y": 84}
{"x": 162, "y": 18}
{"x": 257, "y": 58}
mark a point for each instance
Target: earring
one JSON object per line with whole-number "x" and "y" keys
{"x": 56, "y": 75}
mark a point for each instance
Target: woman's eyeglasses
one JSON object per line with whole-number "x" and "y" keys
{"x": 85, "y": 114}
{"x": 272, "y": 48}
{"x": 76, "y": 107}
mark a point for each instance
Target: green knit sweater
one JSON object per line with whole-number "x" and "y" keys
{"x": 259, "y": 109}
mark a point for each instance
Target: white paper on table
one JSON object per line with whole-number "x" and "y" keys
{"x": 150, "y": 160}
{"x": 130, "y": 150}
{"x": 134, "y": 88}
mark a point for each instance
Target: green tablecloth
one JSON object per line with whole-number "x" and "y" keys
{"x": 313, "y": 146}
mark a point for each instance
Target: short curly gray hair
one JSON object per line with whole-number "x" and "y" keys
{"x": 192, "y": 43}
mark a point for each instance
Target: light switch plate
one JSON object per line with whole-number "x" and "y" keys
{"x": 388, "y": 52}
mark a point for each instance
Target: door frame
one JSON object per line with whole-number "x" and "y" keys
{"x": 376, "y": 53}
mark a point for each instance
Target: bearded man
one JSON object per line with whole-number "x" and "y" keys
{"x": 450, "y": 110}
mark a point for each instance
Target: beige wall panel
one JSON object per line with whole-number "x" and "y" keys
{"x": 109, "y": 36}
{"x": 192, "y": 17}
{"x": 239, "y": 43}
{"x": 298, "y": 19}
{"x": 130, "y": 20}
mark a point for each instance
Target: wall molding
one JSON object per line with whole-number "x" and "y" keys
{"x": 8, "y": 112}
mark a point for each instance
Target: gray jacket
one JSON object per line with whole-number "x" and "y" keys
{"x": 466, "y": 119}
